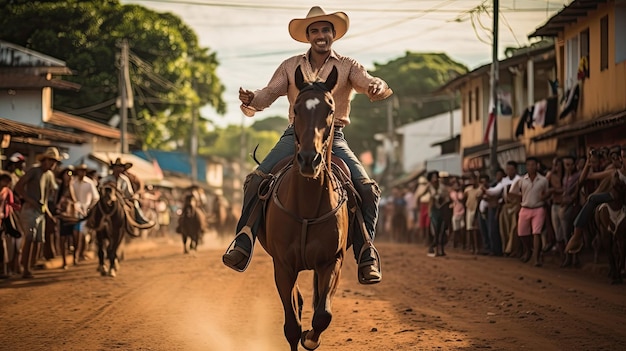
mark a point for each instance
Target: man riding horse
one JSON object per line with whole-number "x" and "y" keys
{"x": 320, "y": 30}
{"x": 123, "y": 184}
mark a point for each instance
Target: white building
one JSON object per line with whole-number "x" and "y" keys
{"x": 418, "y": 137}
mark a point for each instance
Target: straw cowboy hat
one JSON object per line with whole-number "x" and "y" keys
{"x": 298, "y": 26}
{"x": 118, "y": 162}
{"x": 50, "y": 153}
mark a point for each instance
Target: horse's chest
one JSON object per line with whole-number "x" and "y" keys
{"x": 614, "y": 218}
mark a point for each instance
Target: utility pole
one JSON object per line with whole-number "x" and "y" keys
{"x": 493, "y": 159}
{"x": 126, "y": 100}
{"x": 194, "y": 138}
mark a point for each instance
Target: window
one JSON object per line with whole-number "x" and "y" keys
{"x": 576, "y": 50}
{"x": 477, "y": 104}
{"x": 604, "y": 43}
{"x": 619, "y": 26}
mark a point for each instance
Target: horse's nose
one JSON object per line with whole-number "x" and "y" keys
{"x": 308, "y": 160}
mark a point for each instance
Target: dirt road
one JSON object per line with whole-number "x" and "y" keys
{"x": 164, "y": 300}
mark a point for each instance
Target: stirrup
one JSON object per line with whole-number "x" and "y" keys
{"x": 232, "y": 247}
{"x": 361, "y": 264}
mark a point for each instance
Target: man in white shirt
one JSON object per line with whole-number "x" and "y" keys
{"x": 87, "y": 195}
{"x": 534, "y": 191}
{"x": 123, "y": 184}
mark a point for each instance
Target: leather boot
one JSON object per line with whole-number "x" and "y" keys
{"x": 537, "y": 253}
{"x": 239, "y": 252}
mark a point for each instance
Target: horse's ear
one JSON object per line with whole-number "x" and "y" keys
{"x": 331, "y": 81}
{"x": 300, "y": 84}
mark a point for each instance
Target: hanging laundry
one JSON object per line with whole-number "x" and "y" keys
{"x": 524, "y": 121}
{"x": 571, "y": 104}
{"x": 539, "y": 115}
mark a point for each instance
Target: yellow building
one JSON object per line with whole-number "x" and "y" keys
{"x": 590, "y": 48}
{"x": 524, "y": 78}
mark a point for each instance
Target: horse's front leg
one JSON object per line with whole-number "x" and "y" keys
{"x": 112, "y": 252}
{"x": 285, "y": 280}
{"x": 326, "y": 280}
{"x": 100, "y": 243}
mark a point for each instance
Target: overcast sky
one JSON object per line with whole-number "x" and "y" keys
{"x": 251, "y": 38}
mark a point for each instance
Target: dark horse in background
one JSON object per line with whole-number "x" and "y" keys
{"x": 111, "y": 220}
{"x": 307, "y": 217}
{"x": 191, "y": 223}
{"x": 610, "y": 219}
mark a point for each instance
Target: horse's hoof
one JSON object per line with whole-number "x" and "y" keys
{"x": 103, "y": 270}
{"x": 308, "y": 343}
{"x": 112, "y": 273}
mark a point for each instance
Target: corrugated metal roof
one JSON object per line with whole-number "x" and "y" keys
{"x": 147, "y": 171}
{"x": 24, "y": 130}
{"x": 66, "y": 120}
{"x": 568, "y": 15}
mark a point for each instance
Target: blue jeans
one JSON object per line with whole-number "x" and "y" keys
{"x": 484, "y": 231}
{"x": 366, "y": 187}
{"x": 590, "y": 205}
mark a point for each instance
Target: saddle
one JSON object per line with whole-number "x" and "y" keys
{"x": 339, "y": 169}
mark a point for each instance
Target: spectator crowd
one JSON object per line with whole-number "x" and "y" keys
{"x": 44, "y": 209}
{"x": 544, "y": 210}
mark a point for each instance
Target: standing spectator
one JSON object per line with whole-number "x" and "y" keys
{"x": 569, "y": 207}
{"x": 482, "y": 216}
{"x": 472, "y": 195}
{"x": 7, "y": 205}
{"x": 87, "y": 196}
{"x": 493, "y": 196}
{"x": 422, "y": 202}
{"x": 439, "y": 200}
{"x": 509, "y": 211}
{"x": 66, "y": 209}
{"x": 555, "y": 179}
{"x": 16, "y": 166}
{"x": 533, "y": 190}
{"x": 34, "y": 188}
{"x": 601, "y": 195}
{"x": 458, "y": 214}
{"x": 398, "y": 214}
{"x": 409, "y": 199}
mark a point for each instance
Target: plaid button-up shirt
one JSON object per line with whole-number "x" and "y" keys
{"x": 352, "y": 77}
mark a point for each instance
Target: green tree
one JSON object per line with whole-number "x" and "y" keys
{"x": 228, "y": 143}
{"x": 170, "y": 74}
{"x": 413, "y": 78}
{"x": 276, "y": 123}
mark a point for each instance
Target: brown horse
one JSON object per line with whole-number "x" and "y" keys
{"x": 610, "y": 219}
{"x": 111, "y": 220}
{"x": 307, "y": 218}
{"x": 191, "y": 224}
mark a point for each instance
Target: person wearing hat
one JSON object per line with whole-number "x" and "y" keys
{"x": 320, "y": 30}
{"x": 123, "y": 184}
{"x": 16, "y": 166}
{"x": 34, "y": 189}
{"x": 87, "y": 195}
{"x": 600, "y": 196}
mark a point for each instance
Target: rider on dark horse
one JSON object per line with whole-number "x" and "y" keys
{"x": 320, "y": 30}
{"x": 124, "y": 185}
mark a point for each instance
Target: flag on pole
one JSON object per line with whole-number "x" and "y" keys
{"x": 488, "y": 137}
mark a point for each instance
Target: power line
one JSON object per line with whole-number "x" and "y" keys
{"x": 286, "y": 7}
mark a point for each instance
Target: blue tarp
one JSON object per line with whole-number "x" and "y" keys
{"x": 175, "y": 161}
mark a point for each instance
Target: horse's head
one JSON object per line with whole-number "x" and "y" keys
{"x": 108, "y": 194}
{"x": 190, "y": 201}
{"x": 313, "y": 122}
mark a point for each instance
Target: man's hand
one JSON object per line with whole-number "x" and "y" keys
{"x": 376, "y": 87}
{"x": 245, "y": 96}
